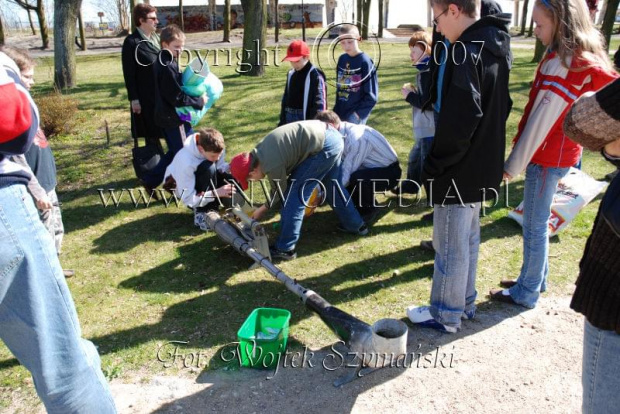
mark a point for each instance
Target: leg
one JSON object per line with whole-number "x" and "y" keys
{"x": 540, "y": 186}
{"x": 174, "y": 139}
{"x": 600, "y": 371}
{"x": 455, "y": 239}
{"x": 38, "y": 322}
{"x": 302, "y": 182}
{"x": 365, "y": 183}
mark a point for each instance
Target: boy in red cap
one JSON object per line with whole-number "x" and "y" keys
{"x": 305, "y": 92}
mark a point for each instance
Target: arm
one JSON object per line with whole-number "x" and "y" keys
{"x": 370, "y": 90}
{"x": 318, "y": 94}
{"x": 458, "y": 120}
{"x": 284, "y": 99}
{"x": 423, "y": 93}
{"x": 36, "y": 191}
{"x": 129, "y": 68}
{"x": 171, "y": 92}
{"x": 354, "y": 154}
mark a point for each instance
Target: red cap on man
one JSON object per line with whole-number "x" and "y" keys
{"x": 240, "y": 168}
{"x": 296, "y": 50}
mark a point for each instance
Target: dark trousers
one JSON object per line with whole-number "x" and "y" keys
{"x": 364, "y": 183}
{"x": 174, "y": 140}
{"x": 208, "y": 178}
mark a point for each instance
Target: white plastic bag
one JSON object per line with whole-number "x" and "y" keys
{"x": 574, "y": 192}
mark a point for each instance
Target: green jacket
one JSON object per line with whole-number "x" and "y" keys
{"x": 284, "y": 148}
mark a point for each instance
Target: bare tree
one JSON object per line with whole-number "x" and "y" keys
{"x": 39, "y": 9}
{"x": 117, "y": 11}
{"x": 254, "y": 36}
{"x": 1, "y": 29}
{"x": 227, "y": 21}
{"x": 181, "y": 15}
{"x": 608, "y": 20}
{"x": 34, "y": 32}
{"x": 539, "y": 51}
{"x": 380, "y": 29}
{"x": 65, "y": 17}
{"x": 524, "y": 17}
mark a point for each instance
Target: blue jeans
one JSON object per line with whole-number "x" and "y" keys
{"x": 354, "y": 118}
{"x": 174, "y": 140}
{"x": 601, "y": 365}
{"x": 324, "y": 167}
{"x": 417, "y": 155}
{"x": 456, "y": 240}
{"x": 540, "y": 186}
{"x": 38, "y": 322}
{"x": 293, "y": 115}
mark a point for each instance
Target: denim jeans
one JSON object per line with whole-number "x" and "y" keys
{"x": 540, "y": 185}
{"x": 174, "y": 140}
{"x": 417, "y": 155}
{"x": 293, "y": 115}
{"x": 354, "y": 118}
{"x": 456, "y": 240}
{"x": 324, "y": 167}
{"x": 601, "y": 364}
{"x": 38, "y": 321}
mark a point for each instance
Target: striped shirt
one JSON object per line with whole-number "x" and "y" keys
{"x": 364, "y": 147}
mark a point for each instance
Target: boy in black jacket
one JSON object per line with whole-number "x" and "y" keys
{"x": 465, "y": 165}
{"x": 168, "y": 83}
{"x": 305, "y": 93}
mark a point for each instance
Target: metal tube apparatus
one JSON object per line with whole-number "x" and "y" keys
{"x": 370, "y": 347}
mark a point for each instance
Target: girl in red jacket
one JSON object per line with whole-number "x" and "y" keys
{"x": 575, "y": 63}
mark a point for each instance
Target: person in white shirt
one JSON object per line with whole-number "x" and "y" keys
{"x": 199, "y": 175}
{"x": 369, "y": 163}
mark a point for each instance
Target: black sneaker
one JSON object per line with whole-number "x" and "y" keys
{"x": 427, "y": 245}
{"x": 282, "y": 255}
{"x": 370, "y": 217}
{"x": 428, "y": 217}
{"x": 362, "y": 231}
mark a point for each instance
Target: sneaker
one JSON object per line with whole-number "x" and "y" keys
{"x": 428, "y": 217}
{"x": 370, "y": 217}
{"x": 277, "y": 254}
{"x": 200, "y": 220}
{"x": 468, "y": 315}
{"x": 499, "y": 296}
{"x": 421, "y": 315}
{"x": 68, "y": 273}
{"x": 427, "y": 245}
{"x": 362, "y": 231}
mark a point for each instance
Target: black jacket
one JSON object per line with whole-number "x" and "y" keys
{"x": 466, "y": 159}
{"x": 315, "y": 94}
{"x": 168, "y": 81}
{"x": 140, "y": 83}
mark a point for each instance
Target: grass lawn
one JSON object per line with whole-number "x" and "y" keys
{"x": 147, "y": 276}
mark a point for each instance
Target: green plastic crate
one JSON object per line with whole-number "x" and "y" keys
{"x": 263, "y": 336}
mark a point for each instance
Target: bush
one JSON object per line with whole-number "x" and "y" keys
{"x": 57, "y": 113}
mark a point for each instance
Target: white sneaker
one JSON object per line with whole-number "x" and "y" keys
{"x": 421, "y": 316}
{"x": 200, "y": 220}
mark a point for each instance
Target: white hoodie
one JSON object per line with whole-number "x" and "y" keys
{"x": 183, "y": 169}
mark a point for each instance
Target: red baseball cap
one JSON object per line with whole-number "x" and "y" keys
{"x": 240, "y": 168}
{"x": 296, "y": 50}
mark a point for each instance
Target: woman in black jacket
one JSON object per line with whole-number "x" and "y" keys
{"x": 140, "y": 51}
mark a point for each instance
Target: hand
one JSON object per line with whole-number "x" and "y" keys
{"x": 226, "y": 191}
{"x": 613, "y": 148}
{"x": 405, "y": 92}
{"x": 507, "y": 176}
{"x": 259, "y": 213}
{"x": 205, "y": 99}
{"x": 136, "y": 108}
{"x": 44, "y": 204}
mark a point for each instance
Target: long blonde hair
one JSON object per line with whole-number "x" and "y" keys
{"x": 574, "y": 33}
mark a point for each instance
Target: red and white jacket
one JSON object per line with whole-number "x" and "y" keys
{"x": 540, "y": 138}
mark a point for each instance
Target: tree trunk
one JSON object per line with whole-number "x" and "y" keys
{"x": 34, "y": 32}
{"x": 132, "y": 4}
{"x": 1, "y": 31}
{"x": 601, "y": 15}
{"x": 65, "y": 16}
{"x": 227, "y": 21}
{"x": 359, "y": 15}
{"x": 254, "y": 38}
{"x": 530, "y": 31}
{"x": 181, "y": 20}
{"x": 516, "y": 12}
{"x": 608, "y": 20}
{"x": 380, "y": 29}
{"x": 365, "y": 20}
{"x": 45, "y": 38}
{"x": 276, "y": 22}
{"x": 524, "y": 17}
{"x": 539, "y": 51}
{"x": 82, "y": 33}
